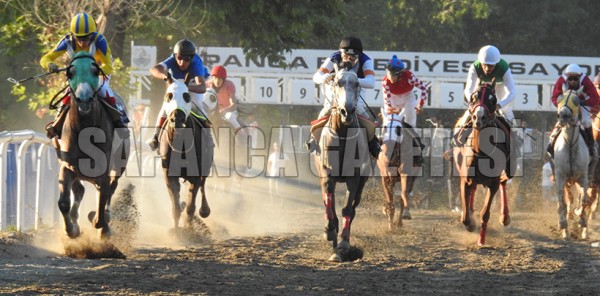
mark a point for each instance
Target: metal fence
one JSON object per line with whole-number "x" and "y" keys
{"x": 28, "y": 181}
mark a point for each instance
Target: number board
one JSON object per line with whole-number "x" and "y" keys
{"x": 265, "y": 91}
{"x": 526, "y": 97}
{"x": 451, "y": 96}
{"x": 374, "y": 97}
{"x": 302, "y": 92}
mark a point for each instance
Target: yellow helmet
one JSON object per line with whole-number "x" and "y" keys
{"x": 82, "y": 24}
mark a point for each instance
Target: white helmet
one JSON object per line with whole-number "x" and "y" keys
{"x": 210, "y": 99}
{"x": 489, "y": 55}
{"x": 573, "y": 69}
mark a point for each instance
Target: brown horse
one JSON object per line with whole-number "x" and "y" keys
{"x": 344, "y": 158}
{"x": 397, "y": 164}
{"x": 482, "y": 157}
{"x": 594, "y": 180}
{"x": 90, "y": 150}
{"x": 186, "y": 150}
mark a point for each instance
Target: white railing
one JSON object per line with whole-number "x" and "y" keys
{"x": 28, "y": 180}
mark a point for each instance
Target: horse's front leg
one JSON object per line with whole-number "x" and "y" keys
{"x": 103, "y": 196}
{"x": 173, "y": 188}
{"x": 467, "y": 192}
{"x": 584, "y": 204}
{"x": 353, "y": 196}
{"x": 190, "y": 205}
{"x": 562, "y": 205}
{"x": 485, "y": 212}
{"x": 65, "y": 181}
{"x": 204, "y": 208}
{"x": 332, "y": 226}
{"x": 389, "y": 207}
{"x": 504, "y": 212}
{"x": 407, "y": 185}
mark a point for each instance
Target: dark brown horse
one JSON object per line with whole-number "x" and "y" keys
{"x": 186, "y": 150}
{"x": 483, "y": 157}
{"x": 90, "y": 150}
{"x": 344, "y": 158}
{"x": 397, "y": 164}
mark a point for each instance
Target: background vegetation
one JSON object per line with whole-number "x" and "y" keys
{"x": 29, "y": 28}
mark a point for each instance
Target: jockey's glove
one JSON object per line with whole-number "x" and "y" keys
{"x": 52, "y": 68}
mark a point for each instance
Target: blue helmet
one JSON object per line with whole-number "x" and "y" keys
{"x": 395, "y": 65}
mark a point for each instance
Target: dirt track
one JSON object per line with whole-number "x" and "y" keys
{"x": 261, "y": 247}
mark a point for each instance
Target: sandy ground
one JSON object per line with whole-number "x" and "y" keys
{"x": 258, "y": 245}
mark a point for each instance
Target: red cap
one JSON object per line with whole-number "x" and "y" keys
{"x": 219, "y": 71}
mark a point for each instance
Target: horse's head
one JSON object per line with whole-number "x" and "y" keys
{"x": 84, "y": 81}
{"x": 568, "y": 108}
{"x": 345, "y": 89}
{"x": 179, "y": 103}
{"x": 483, "y": 105}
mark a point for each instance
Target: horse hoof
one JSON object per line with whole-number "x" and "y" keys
{"x": 471, "y": 227}
{"x": 91, "y": 216}
{"x": 564, "y": 234}
{"x": 335, "y": 258}
{"x": 182, "y": 205}
{"x": 578, "y": 212}
{"x": 204, "y": 213}
{"x": 505, "y": 220}
{"x": 105, "y": 233}
{"x": 584, "y": 235}
{"x": 73, "y": 231}
{"x": 344, "y": 245}
{"x": 406, "y": 214}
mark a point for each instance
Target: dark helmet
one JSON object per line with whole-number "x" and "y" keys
{"x": 351, "y": 45}
{"x": 184, "y": 47}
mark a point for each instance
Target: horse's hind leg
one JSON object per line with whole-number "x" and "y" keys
{"x": 204, "y": 208}
{"x": 562, "y": 206}
{"x": 64, "y": 202}
{"x": 467, "y": 194}
{"x": 504, "y": 216}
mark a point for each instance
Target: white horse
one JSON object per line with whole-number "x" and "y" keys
{"x": 571, "y": 159}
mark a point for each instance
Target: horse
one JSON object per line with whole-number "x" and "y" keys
{"x": 482, "y": 157}
{"x": 344, "y": 158}
{"x": 89, "y": 150}
{"x": 594, "y": 182}
{"x": 571, "y": 160}
{"x": 396, "y": 163}
{"x": 186, "y": 149}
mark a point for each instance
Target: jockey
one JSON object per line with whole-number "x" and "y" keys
{"x": 184, "y": 65}
{"x": 398, "y": 99}
{"x": 83, "y": 37}
{"x": 574, "y": 78}
{"x": 488, "y": 66}
{"x": 351, "y": 52}
{"x": 225, "y": 90}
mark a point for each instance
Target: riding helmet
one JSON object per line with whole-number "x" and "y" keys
{"x": 219, "y": 71}
{"x": 395, "y": 65}
{"x": 351, "y": 45}
{"x": 82, "y": 24}
{"x": 184, "y": 47}
{"x": 489, "y": 55}
{"x": 573, "y": 69}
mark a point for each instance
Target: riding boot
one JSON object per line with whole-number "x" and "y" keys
{"x": 54, "y": 129}
{"x": 551, "y": 140}
{"x": 589, "y": 140}
{"x": 153, "y": 142}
